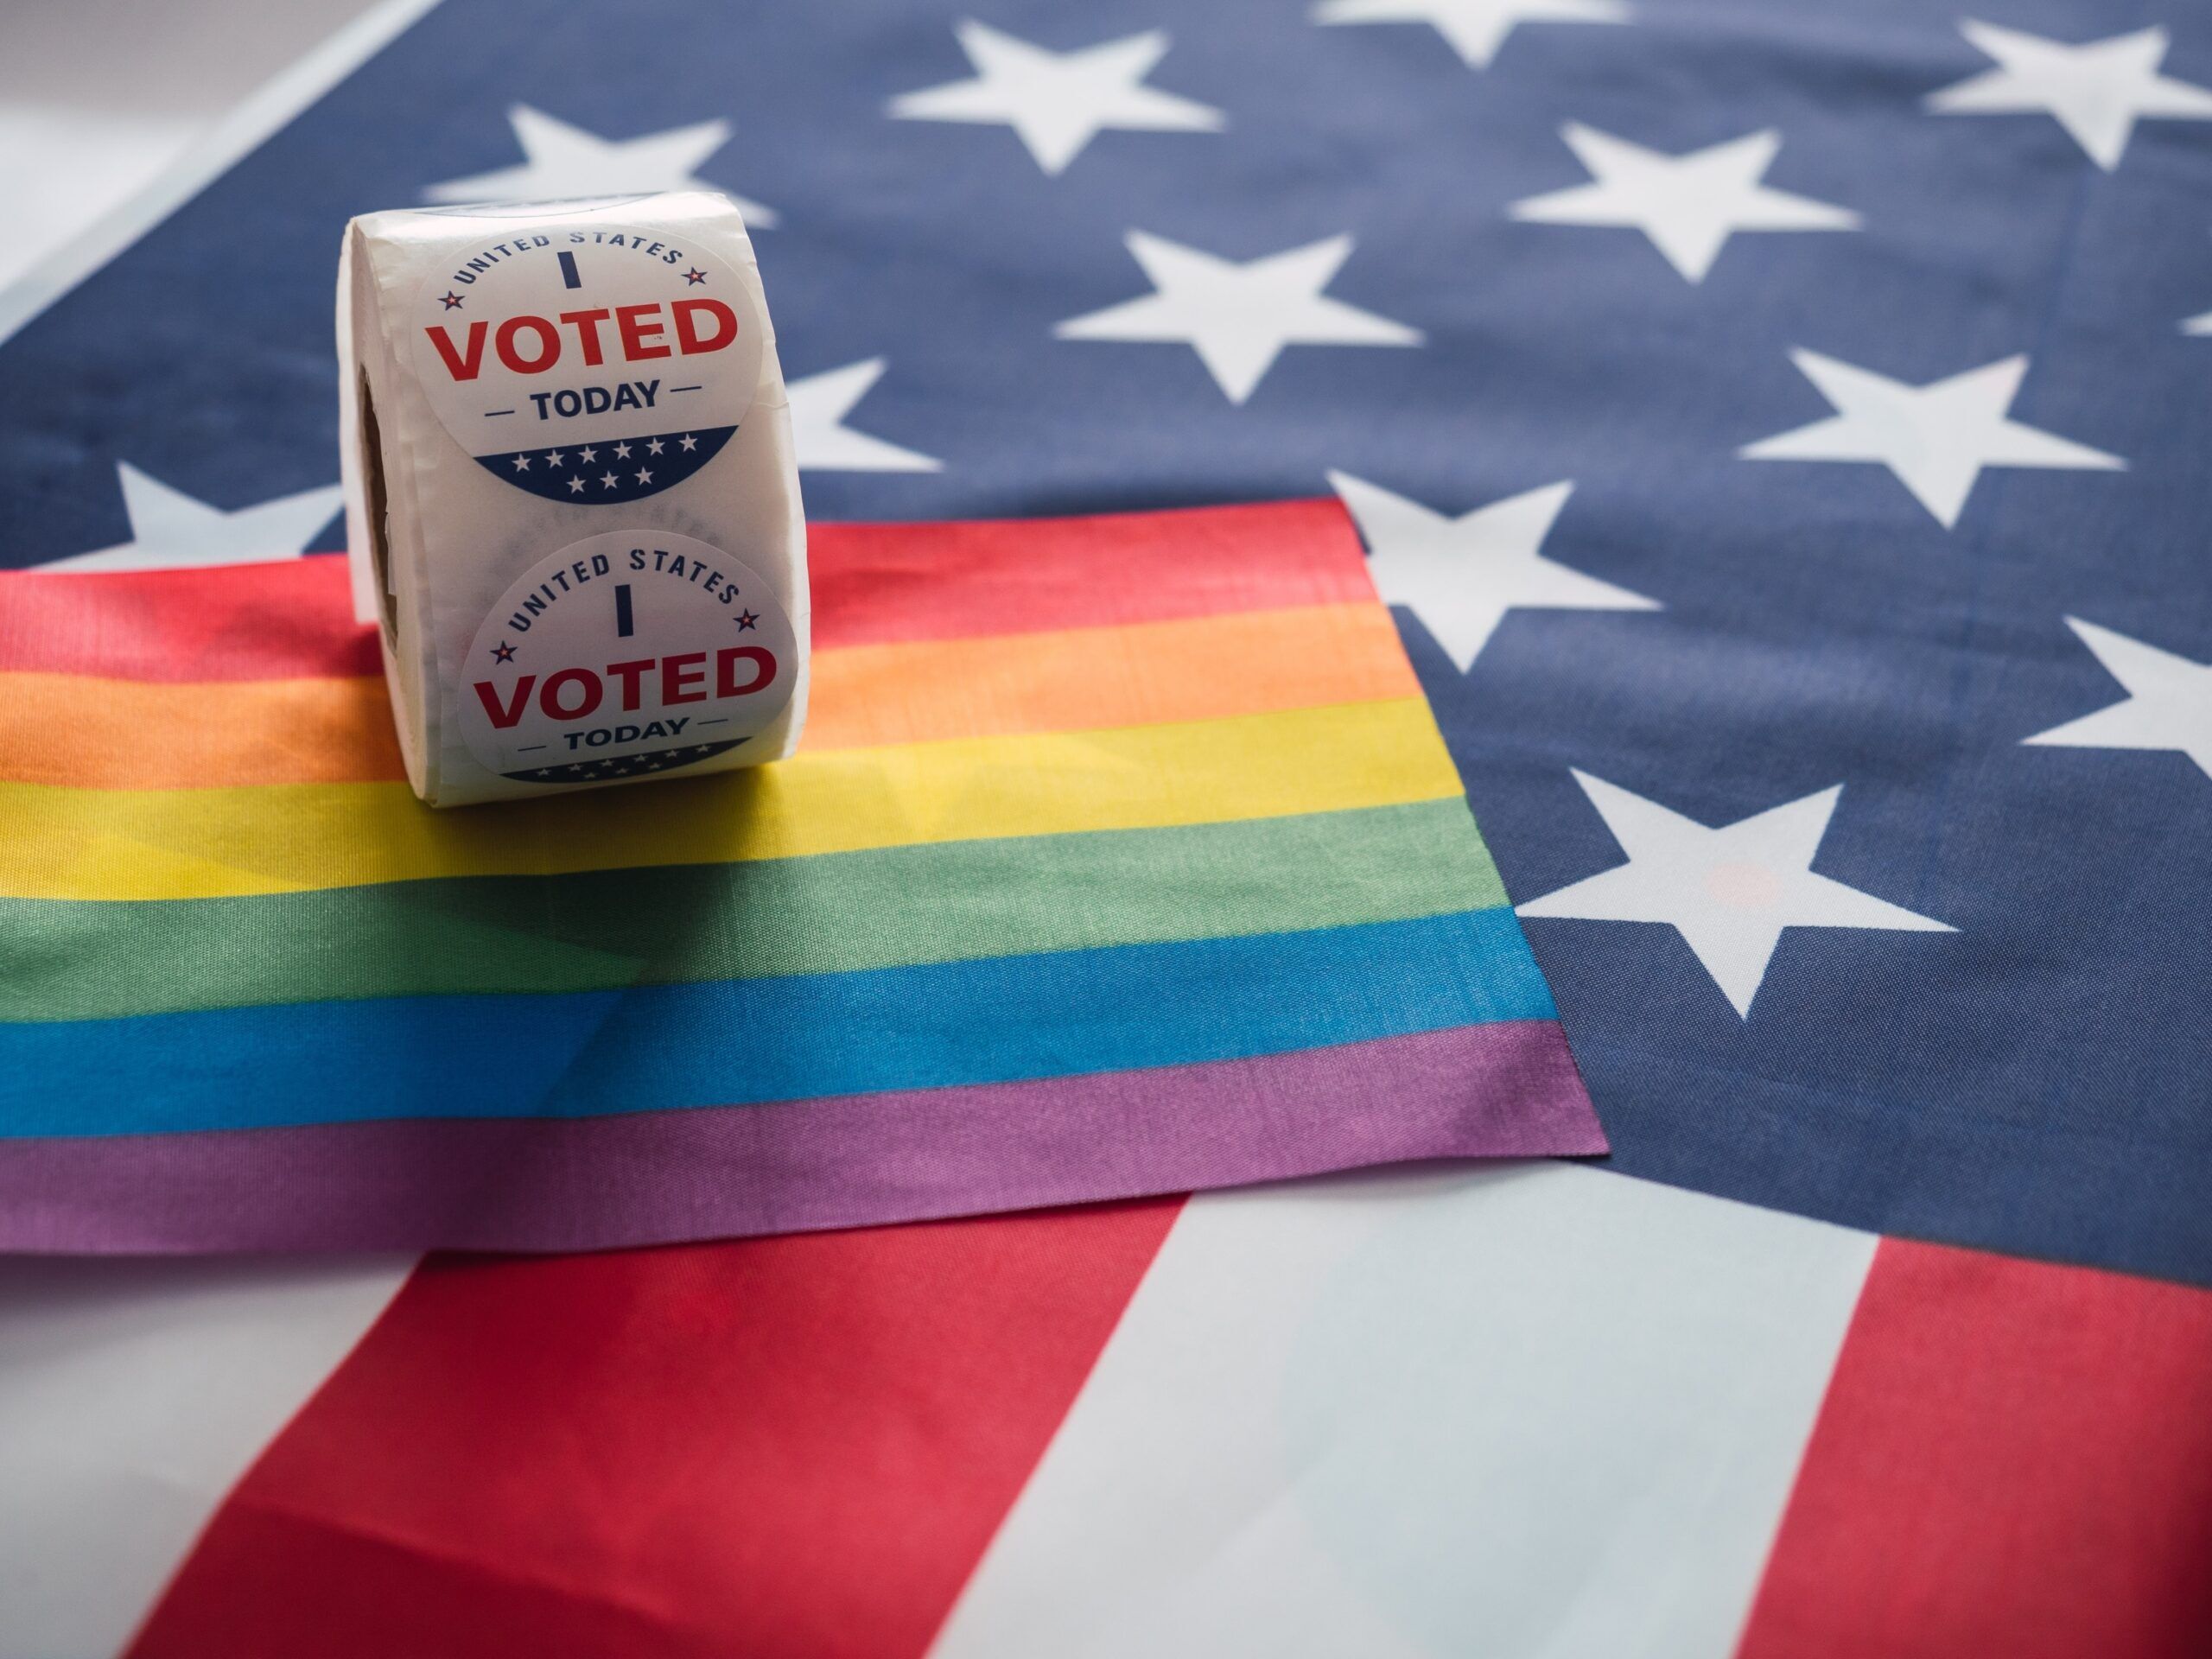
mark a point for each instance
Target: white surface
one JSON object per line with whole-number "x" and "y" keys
{"x": 115, "y": 113}
{"x": 133, "y": 1394}
{"x": 62, "y": 166}
{"x": 1536, "y": 1411}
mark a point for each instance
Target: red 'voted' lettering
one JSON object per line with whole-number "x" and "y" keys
{"x": 584, "y": 680}
{"x": 529, "y": 345}
{"x": 687, "y": 329}
{"x": 549, "y": 345}
{"x": 462, "y": 364}
{"x": 505, "y": 715}
{"x": 726, "y": 661}
{"x": 636, "y": 324}
{"x": 576, "y": 693}
{"x": 586, "y": 323}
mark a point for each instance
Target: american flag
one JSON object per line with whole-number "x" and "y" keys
{"x": 1781, "y": 432}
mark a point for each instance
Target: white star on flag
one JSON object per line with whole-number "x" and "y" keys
{"x": 1937, "y": 438}
{"x": 567, "y": 162}
{"x": 2097, "y": 92}
{"x": 1476, "y": 28}
{"x": 1461, "y": 576}
{"x": 825, "y": 444}
{"x": 1687, "y": 205}
{"x": 1058, "y": 102}
{"x": 170, "y": 529}
{"x": 1239, "y": 316}
{"x": 1728, "y": 892}
{"x": 2168, "y": 706}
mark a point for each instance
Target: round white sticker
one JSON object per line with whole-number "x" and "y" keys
{"x": 588, "y": 361}
{"x": 628, "y": 652}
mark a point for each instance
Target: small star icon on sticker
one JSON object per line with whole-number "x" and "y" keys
{"x": 502, "y": 653}
{"x": 644, "y": 477}
{"x": 575, "y": 485}
{"x": 607, "y": 482}
{"x": 746, "y": 619}
{"x": 653, "y": 446}
{"x": 695, "y": 276}
{"x": 552, "y": 457}
{"x": 690, "y": 442}
{"x": 621, "y": 452}
{"x": 451, "y": 301}
{"x": 588, "y": 456}
{"x": 522, "y": 463}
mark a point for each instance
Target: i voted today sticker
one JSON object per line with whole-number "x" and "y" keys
{"x": 629, "y": 652}
{"x": 589, "y": 362}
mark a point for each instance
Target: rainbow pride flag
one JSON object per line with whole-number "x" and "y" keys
{"x": 1122, "y": 856}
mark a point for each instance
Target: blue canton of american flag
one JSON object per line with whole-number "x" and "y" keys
{"x": 1781, "y": 428}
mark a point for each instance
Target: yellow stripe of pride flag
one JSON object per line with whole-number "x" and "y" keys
{"x": 85, "y": 843}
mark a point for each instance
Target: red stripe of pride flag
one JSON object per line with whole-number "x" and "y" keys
{"x": 872, "y": 583}
{"x": 778, "y": 1446}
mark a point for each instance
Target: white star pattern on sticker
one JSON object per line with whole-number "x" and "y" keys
{"x": 170, "y": 529}
{"x": 1937, "y": 438}
{"x": 566, "y": 160}
{"x": 1238, "y": 316}
{"x": 2097, "y": 92}
{"x": 1476, "y": 28}
{"x": 1058, "y": 102}
{"x": 1461, "y": 576}
{"x": 1728, "y": 892}
{"x": 2168, "y": 706}
{"x": 1687, "y": 205}
{"x": 825, "y": 444}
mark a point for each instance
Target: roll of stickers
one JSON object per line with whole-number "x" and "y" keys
{"x": 570, "y": 495}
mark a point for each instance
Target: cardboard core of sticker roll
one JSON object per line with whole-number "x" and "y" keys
{"x": 378, "y": 507}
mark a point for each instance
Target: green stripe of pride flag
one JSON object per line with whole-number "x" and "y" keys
{"x": 825, "y": 914}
